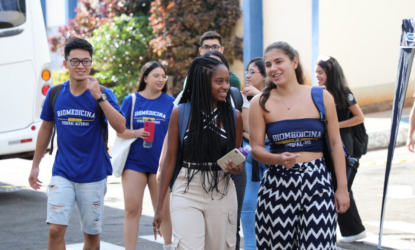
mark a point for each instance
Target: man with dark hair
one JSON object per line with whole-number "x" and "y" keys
{"x": 81, "y": 109}
{"x": 211, "y": 40}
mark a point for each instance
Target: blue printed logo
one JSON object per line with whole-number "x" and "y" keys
{"x": 410, "y": 36}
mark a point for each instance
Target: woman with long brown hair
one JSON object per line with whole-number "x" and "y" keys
{"x": 152, "y": 104}
{"x": 296, "y": 207}
{"x": 330, "y": 74}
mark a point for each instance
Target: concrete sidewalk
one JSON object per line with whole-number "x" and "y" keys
{"x": 378, "y": 127}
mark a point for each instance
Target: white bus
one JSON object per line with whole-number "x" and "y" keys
{"x": 24, "y": 75}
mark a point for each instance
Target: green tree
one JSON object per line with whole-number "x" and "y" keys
{"x": 179, "y": 24}
{"x": 120, "y": 50}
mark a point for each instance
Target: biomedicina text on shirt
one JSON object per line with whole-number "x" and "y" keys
{"x": 81, "y": 156}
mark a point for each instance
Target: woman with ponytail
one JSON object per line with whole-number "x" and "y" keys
{"x": 296, "y": 207}
{"x": 330, "y": 74}
{"x": 152, "y": 103}
{"x": 204, "y": 204}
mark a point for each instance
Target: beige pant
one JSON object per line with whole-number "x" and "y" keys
{"x": 200, "y": 222}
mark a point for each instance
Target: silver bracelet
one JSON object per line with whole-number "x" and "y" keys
{"x": 133, "y": 133}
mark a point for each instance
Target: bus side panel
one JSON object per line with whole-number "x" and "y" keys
{"x": 41, "y": 55}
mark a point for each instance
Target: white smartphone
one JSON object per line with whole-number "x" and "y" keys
{"x": 234, "y": 155}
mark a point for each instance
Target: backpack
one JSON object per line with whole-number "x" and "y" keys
{"x": 184, "y": 116}
{"x": 237, "y": 98}
{"x": 54, "y": 92}
{"x": 351, "y": 163}
{"x": 360, "y": 140}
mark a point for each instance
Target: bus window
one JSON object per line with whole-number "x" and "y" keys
{"x": 12, "y": 13}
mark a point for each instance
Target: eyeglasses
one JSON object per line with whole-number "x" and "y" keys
{"x": 161, "y": 77}
{"x": 76, "y": 62}
{"x": 207, "y": 47}
{"x": 250, "y": 72}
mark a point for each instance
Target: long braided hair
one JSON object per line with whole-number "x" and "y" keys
{"x": 198, "y": 92}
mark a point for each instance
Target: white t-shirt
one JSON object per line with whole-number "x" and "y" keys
{"x": 246, "y": 102}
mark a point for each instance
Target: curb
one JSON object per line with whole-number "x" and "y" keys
{"x": 380, "y": 139}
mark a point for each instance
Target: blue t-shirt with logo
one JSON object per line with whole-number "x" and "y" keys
{"x": 157, "y": 110}
{"x": 81, "y": 155}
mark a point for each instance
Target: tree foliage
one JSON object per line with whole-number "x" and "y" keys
{"x": 178, "y": 25}
{"x": 120, "y": 49}
{"x": 92, "y": 14}
{"x": 125, "y": 36}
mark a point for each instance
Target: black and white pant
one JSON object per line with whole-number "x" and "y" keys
{"x": 295, "y": 208}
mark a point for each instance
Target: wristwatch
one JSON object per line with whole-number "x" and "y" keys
{"x": 102, "y": 98}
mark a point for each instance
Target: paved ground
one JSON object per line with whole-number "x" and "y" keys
{"x": 23, "y": 212}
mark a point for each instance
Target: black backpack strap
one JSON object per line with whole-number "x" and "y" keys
{"x": 103, "y": 124}
{"x": 237, "y": 98}
{"x": 53, "y": 95}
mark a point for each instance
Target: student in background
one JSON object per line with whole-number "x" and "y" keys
{"x": 152, "y": 104}
{"x": 329, "y": 73}
{"x": 255, "y": 76}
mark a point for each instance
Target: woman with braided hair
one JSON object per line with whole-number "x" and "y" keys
{"x": 204, "y": 204}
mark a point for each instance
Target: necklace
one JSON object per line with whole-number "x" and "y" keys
{"x": 291, "y": 103}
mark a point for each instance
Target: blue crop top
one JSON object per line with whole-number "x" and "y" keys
{"x": 296, "y": 135}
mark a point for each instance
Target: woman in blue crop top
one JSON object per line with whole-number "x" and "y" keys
{"x": 203, "y": 204}
{"x": 296, "y": 207}
{"x": 329, "y": 73}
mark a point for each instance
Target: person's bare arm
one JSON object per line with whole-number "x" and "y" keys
{"x": 169, "y": 165}
{"x": 245, "y": 119}
{"x": 134, "y": 133}
{"x": 357, "y": 118}
{"x": 43, "y": 139}
{"x": 115, "y": 119}
{"x": 341, "y": 198}
{"x": 410, "y": 141}
{"x": 229, "y": 166}
{"x": 162, "y": 157}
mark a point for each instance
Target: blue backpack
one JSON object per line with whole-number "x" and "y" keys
{"x": 351, "y": 163}
{"x": 184, "y": 116}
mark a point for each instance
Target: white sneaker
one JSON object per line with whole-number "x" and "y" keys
{"x": 168, "y": 247}
{"x": 353, "y": 238}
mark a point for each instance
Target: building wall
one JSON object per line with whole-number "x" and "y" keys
{"x": 290, "y": 21}
{"x": 238, "y": 66}
{"x": 364, "y": 36}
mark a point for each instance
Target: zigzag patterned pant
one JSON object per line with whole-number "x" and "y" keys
{"x": 295, "y": 208}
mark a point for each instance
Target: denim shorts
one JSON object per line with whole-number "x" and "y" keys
{"x": 62, "y": 195}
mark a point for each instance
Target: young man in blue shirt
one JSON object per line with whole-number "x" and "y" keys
{"x": 82, "y": 163}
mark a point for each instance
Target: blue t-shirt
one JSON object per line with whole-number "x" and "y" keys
{"x": 157, "y": 110}
{"x": 81, "y": 155}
